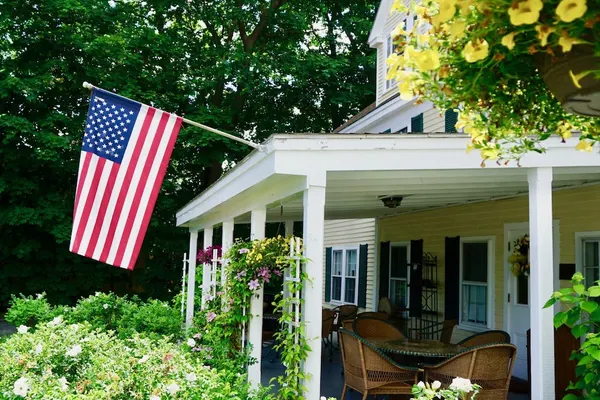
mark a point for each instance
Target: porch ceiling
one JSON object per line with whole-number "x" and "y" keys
{"x": 356, "y": 194}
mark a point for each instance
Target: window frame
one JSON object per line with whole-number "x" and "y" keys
{"x": 409, "y": 23}
{"x": 344, "y": 249}
{"x": 399, "y": 244}
{"x": 580, "y": 239}
{"x": 470, "y": 326}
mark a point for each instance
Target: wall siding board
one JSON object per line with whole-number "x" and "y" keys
{"x": 353, "y": 232}
{"x": 575, "y": 209}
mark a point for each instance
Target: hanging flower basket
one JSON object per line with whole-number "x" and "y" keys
{"x": 580, "y": 94}
{"x": 519, "y": 259}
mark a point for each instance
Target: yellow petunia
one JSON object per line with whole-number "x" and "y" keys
{"x": 398, "y": 6}
{"x": 476, "y": 50}
{"x": 394, "y": 62}
{"x": 525, "y": 12}
{"x": 465, "y": 6}
{"x": 569, "y": 10}
{"x": 399, "y": 31}
{"x": 490, "y": 153}
{"x": 457, "y": 29}
{"x": 543, "y": 32}
{"x": 446, "y": 12}
{"x": 564, "y": 130}
{"x": 428, "y": 60}
{"x": 405, "y": 88}
{"x": 567, "y": 43}
{"x": 584, "y": 145}
{"x": 509, "y": 40}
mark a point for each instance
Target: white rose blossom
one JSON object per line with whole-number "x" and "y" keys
{"x": 22, "y": 329}
{"x": 21, "y": 387}
{"x": 75, "y": 351}
{"x": 173, "y": 388}
{"x": 154, "y": 397}
{"x": 143, "y": 359}
{"x": 421, "y": 385}
{"x": 38, "y": 349}
{"x": 39, "y": 296}
{"x": 191, "y": 377}
{"x": 191, "y": 342}
{"x": 462, "y": 384}
{"x": 64, "y": 385}
{"x": 105, "y": 306}
{"x": 56, "y": 321}
{"x": 436, "y": 385}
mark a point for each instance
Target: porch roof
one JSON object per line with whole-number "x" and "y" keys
{"x": 428, "y": 170}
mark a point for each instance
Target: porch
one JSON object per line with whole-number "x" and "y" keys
{"x": 312, "y": 178}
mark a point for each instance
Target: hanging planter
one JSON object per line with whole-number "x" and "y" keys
{"x": 519, "y": 259}
{"x": 583, "y": 99}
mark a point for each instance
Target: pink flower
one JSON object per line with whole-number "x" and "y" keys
{"x": 277, "y": 272}
{"x": 244, "y": 251}
{"x": 240, "y": 275}
{"x": 253, "y": 284}
{"x": 211, "y": 316}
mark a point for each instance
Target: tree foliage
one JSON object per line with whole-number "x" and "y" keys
{"x": 256, "y": 67}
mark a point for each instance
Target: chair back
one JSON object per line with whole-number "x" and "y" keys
{"x": 385, "y": 306}
{"x": 328, "y": 316}
{"x": 489, "y": 366}
{"x": 376, "y": 328}
{"x": 343, "y": 313}
{"x": 487, "y": 337}
{"x": 374, "y": 314}
{"x": 348, "y": 325}
{"x": 367, "y": 368}
{"x": 447, "y": 330}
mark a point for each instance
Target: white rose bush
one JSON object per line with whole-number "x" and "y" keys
{"x": 459, "y": 389}
{"x": 75, "y": 361}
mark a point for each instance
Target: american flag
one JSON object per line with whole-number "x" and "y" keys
{"x": 125, "y": 152}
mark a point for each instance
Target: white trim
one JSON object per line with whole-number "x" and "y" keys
{"x": 383, "y": 12}
{"x": 344, "y": 249}
{"x": 399, "y": 244}
{"x": 579, "y": 238}
{"x": 491, "y": 243}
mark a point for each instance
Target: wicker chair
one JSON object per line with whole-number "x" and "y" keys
{"x": 369, "y": 371}
{"x": 342, "y": 313}
{"x": 490, "y": 366}
{"x": 444, "y": 329}
{"x": 326, "y": 327}
{"x": 374, "y": 314}
{"x": 487, "y": 337}
{"x": 348, "y": 325}
{"x": 376, "y": 328}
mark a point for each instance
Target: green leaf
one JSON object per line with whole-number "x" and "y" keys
{"x": 594, "y": 291}
{"x": 594, "y": 352}
{"x": 550, "y": 303}
{"x": 577, "y": 277}
{"x": 570, "y": 396}
{"x": 585, "y": 360}
{"x": 579, "y": 288}
{"x": 589, "y": 306}
{"x": 560, "y": 318}
{"x": 579, "y": 330}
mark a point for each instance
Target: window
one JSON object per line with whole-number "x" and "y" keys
{"x": 399, "y": 259}
{"x": 591, "y": 261}
{"x": 476, "y": 271}
{"x": 344, "y": 275}
{"x": 390, "y": 47}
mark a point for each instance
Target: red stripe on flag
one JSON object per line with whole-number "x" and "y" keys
{"x": 89, "y": 202}
{"x": 139, "y": 190}
{"x": 81, "y": 179}
{"x": 126, "y": 183}
{"x": 154, "y": 195}
{"x": 102, "y": 211}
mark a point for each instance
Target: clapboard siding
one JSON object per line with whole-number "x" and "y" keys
{"x": 576, "y": 210}
{"x": 433, "y": 121}
{"x": 353, "y": 232}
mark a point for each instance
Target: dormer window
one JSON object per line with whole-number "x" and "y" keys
{"x": 407, "y": 24}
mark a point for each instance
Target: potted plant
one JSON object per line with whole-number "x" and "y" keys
{"x": 459, "y": 389}
{"x": 506, "y": 66}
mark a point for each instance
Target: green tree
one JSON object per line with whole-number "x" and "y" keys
{"x": 256, "y": 67}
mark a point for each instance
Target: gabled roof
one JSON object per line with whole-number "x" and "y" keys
{"x": 364, "y": 112}
{"x": 376, "y": 35}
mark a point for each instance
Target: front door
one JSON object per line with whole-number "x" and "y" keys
{"x": 519, "y": 297}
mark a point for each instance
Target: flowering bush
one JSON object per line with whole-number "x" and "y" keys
{"x": 62, "y": 361}
{"x": 459, "y": 389}
{"x": 482, "y": 57}
{"x": 205, "y": 256}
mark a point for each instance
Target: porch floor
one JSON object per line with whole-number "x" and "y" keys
{"x": 332, "y": 380}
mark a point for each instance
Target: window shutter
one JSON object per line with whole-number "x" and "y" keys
{"x": 451, "y": 118}
{"x": 384, "y": 269}
{"x": 452, "y": 278}
{"x": 328, "y": 256}
{"x": 416, "y": 277}
{"x": 362, "y": 275}
{"x": 416, "y": 123}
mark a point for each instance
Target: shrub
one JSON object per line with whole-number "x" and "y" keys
{"x": 62, "y": 361}
{"x": 29, "y": 310}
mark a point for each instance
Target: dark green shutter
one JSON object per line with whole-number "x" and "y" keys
{"x": 362, "y": 275}
{"x": 451, "y": 118}
{"x": 328, "y": 256}
{"x": 384, "y": 269}
{"x": 416, "y": 277}
{"x": 416, "y": 123}
{"x": 452, "y": 278}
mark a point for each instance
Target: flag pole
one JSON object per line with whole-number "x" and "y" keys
{"x": 188, "y": 121}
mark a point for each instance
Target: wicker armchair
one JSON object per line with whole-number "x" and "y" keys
{"x": 369, "y": 371}
{"x": 342, "y": 313}
{"x": 375, "y": 328}
{"x": 374, "y": 314}
{"x": 326, "y": 327}
{"x": 490, "y": 366}
{"x": 487, "y": 337}
{"x": 348, "y": 325}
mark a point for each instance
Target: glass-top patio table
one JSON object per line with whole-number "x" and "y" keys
{"x": 417, "y": 347}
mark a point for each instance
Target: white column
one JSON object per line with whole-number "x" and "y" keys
{"x": 208, "y": 241}
{"x": 189, "y": 315}
{"x": 541, "y": 280}
{"x": 314, "y": 216}
{"x": 227, "y": 243}
{"x": 258, "y": 219}
{"x": 289, "y": 228}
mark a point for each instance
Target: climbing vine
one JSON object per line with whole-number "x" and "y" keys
{"x": 250, "y": 266}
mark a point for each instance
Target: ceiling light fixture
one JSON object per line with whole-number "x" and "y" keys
{"x": 391, "y": 201}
